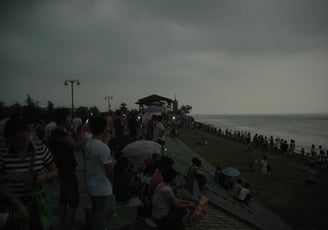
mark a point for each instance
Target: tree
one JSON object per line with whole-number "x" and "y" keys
{"x": 123, "y": 108}
{"x": 94, "y": 110}
{"x": 50, "y": 107}
{"x": 185, "y": 109}
{"x": 29, "y": 101}
{"x": 83, "y": 111}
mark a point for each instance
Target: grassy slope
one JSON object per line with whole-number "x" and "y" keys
{"x": 282, "y": 190}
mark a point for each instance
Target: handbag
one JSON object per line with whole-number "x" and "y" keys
{"x": 43, "y": 207}
{"x": 113, "y": 207}
{"x": 40, "y": 205}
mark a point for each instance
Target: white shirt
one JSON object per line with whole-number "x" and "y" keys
{"x": 48, "y": 128}
{"x": 97, "y": 154}
{"x": 236, "y": 189}
{"x": 243, "y": 193}
{"x": 76, "y": 123}
{"x": 158, "y": 131}
{"x": 161, "y": 200}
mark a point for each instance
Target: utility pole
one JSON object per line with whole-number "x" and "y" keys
{"x": 72, "y": 89}
{"x": 109, "y": 98}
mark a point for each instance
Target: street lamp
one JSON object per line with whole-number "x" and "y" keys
{"x": 72, "y": 88}
{"x": 109, "y": 98}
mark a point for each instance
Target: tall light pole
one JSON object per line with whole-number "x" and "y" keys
{"x": 109, "y": 98}
{"x": 72, "y": 88}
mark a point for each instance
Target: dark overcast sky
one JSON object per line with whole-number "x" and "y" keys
{"x": 220, "y": 57}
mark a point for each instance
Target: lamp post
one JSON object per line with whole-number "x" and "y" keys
{"x": 109, "y": 98}
{"x": 72, "y": 89}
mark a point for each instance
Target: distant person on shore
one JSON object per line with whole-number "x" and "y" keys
{"x": 292, "y": 146}
{"x": 264, "y": 165}
{"x": 277, "y": 144}
{"x": 313, "y": 152}
{"x": 322, "y": 154}
{"x": 271, "y": 143}
{"x": 284, "y": 146}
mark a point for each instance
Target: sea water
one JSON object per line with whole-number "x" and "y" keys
{"x": 305, "y": 129}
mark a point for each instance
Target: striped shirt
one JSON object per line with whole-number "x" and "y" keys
{"x": 11, "y": 163}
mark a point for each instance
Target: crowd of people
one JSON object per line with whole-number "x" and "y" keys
{"x": 266, "y": 143}
{"x": 33, "y": 153}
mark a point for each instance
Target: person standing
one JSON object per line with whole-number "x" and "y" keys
{"x": 49, "y": 127}
{"x": 251, "y": 159}
{"x": 76, "y": 124}
{"x": 25, "y": 165}
{"x": 313, "y": 153}
{"x": 110, "y": 124}
{"x": 99, "y": 173}
{"x": 264, "y": 165}
{"x": 292, "y": 146}
{"x": 63, "y": 145}
{"x": 159, "y": 130}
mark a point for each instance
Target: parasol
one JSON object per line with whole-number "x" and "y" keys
{"x": 230, "y": 171}
{"x": 139, "y": 151}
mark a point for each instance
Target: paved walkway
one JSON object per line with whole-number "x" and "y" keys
{"x": 224, "y": 211}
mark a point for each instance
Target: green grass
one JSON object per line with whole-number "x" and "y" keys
{"x": 282, "y": 190}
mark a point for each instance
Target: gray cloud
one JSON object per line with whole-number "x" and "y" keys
{"x": 229, "y": 53}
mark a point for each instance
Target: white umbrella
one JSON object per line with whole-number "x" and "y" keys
{"x": 230, "y": 171}
{"x": 139, "y": 151}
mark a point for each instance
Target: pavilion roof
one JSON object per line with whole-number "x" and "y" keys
{"x": 150, "y": 100}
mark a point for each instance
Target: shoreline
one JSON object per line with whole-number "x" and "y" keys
{"x": 295, "y": 130}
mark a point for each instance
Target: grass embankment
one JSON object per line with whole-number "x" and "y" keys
{"x": 282, "y": 190}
